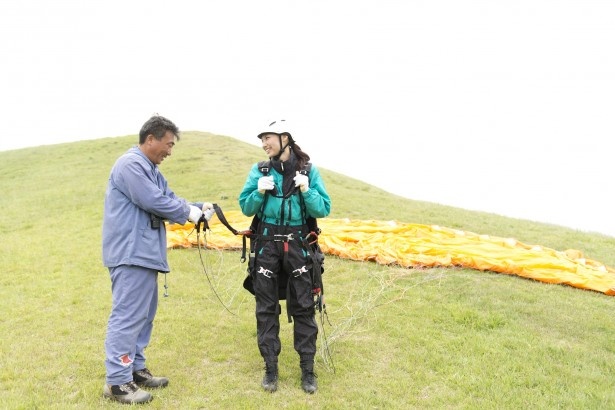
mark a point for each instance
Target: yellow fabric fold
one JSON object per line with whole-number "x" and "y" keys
{"x": 417, "y": 245}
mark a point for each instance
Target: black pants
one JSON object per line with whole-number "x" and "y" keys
{"x": 279, "y": 262}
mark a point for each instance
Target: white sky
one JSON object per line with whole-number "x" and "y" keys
{"x": 500, "y": 106}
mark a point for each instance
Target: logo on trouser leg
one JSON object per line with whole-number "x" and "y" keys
{"x": 125, "y": 360}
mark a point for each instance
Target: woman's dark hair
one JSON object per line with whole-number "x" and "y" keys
{"x": 158, "y": 127}
{"x": 302, "y": 157}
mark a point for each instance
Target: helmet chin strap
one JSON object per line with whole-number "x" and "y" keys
{"x": 277, "y": 157}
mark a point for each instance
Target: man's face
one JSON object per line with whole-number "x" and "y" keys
{"x": 158, "y": 150}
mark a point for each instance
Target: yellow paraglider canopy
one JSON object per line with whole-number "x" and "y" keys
{"x": 417, "y": 245}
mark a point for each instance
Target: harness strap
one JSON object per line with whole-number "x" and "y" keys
{"x": 225, "y": 222}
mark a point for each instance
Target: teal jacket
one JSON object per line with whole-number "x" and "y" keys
{"x": 285, "y": 211}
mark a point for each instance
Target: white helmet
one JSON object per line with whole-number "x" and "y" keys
{"x": 276, "y": 127}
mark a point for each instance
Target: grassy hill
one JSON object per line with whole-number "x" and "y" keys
{"x": 400, "y": 338}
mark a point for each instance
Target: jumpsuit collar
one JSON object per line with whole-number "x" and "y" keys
{"x": 286, "y": 167}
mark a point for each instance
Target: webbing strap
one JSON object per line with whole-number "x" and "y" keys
{"x": 245, "y": 233}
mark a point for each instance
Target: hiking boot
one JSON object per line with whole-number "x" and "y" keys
{"x": 144, "y": 378}
{"x": 308, "y": 381}
{"x": 270, "y": 379}
{"x": 128, "y": 393}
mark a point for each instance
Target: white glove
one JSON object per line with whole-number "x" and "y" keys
{"x": 302, "y": 181}
{"x": 195, "y": 214}
{"x": 209, "y": 213}
{"x": 207, "y": 205}
{"x": 265, "y": 183}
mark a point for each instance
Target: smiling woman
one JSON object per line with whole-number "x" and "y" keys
{"x": 284, "y": 195}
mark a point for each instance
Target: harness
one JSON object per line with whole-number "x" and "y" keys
{"x": 264, "y": 167}
{"x": 309, "y": 242}
{"x": 251, "y": 232}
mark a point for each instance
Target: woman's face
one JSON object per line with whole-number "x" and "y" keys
{"x": 271, "y": 144}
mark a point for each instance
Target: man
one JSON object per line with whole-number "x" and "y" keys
{"x": 137, "y": 202}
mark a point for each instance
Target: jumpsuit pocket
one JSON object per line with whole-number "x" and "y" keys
{"x": 302, "y": 287}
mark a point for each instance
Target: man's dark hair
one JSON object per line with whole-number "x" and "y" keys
{"x": 158, "y": 127}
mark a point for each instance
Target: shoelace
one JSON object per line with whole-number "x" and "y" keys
{"x": 144, "y": 373}
{"x": 129, "y": 387}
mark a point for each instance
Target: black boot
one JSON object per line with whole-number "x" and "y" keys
{"x": 270, "y": 379}
{"x": 308, "y": 378}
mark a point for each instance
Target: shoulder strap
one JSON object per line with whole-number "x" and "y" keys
{"x": 306, "y": 169}
{"x": 264, "y": 167}
{"x": 311, "y": 222}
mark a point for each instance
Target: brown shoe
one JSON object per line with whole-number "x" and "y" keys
{"x": 144, "y": 378}
{"x": 128, "y": 393}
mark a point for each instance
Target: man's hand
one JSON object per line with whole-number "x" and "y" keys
{"x": 208, "y": 210}
{"x": 195, "y": 214}
{"x": 208, "y": 213}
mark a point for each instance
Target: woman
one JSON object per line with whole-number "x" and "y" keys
{"x": 284, "y": 193}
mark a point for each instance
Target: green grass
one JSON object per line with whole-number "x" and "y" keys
{"x": 400, "y": 338}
